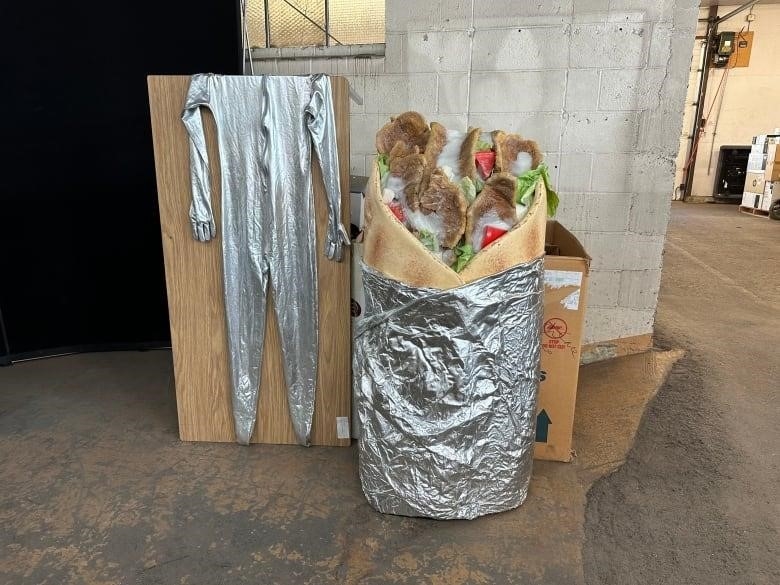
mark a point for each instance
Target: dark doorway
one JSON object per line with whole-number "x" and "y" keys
{"x": 80, "y": 252}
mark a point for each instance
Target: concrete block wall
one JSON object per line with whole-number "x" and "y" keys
{"x": 599, "y": 84}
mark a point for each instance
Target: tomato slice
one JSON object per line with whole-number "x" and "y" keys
{"x": 485, "y": 160}
{"x": 492, "y": 233}
{"x": 397, "y": 210}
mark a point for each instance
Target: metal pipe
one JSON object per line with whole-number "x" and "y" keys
{"x": 327, "y": 24}
{"x": 736, "y": 11}
{"x": 267, "y": 24}
{"x": 697, "y": 121}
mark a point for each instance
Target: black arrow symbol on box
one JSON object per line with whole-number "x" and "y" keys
{"x": 543, "y": 423}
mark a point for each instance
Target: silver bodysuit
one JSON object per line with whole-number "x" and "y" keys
{"x": 266, "y": 126}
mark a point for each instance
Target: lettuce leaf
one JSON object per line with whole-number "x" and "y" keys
{"x": 463, "y": 254}
{"x": 469, "y": 189}
{"x": 479, "y": 184}
{"x": 429, "y": 240}
{"x": 384, "y": 168}
{"x": 483, "y": 146}
{"x": 525, "y": 187}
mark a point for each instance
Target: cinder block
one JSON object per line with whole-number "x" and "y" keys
{"x": 642, "y": 252}
{"x": 600, "y": 132}
{"x": 649, "y": 9}
{"x": 434, "y": 14}
{"x": 627, "y": 16}
{"x": 652, "y": 172}
{"x": 582, "y": 89}
{"x": 395, "y": 52}
{"x": 357, "y": 164}
{"x": 660, "y": 131}
{"x": 574, "y": 173}
{"x": 452, "y": 121}
{"x": 296, "y": 66}
{"x": 660, "y": 48}
{"x": 362, "y": 133}
{"x": 582, "y": 16}
{"x": 605, "y": 248}
{"x": 543, "y": 127}
{"x": 612, "y": 173}
{"x": 393, "y": 94}
{"x": 595, "y": 212}
{"x": 609, "y": 45}
{"x": 437, "y": 51}
{"x": 631, "y": 89}
{"x": 358, "y": 87}
{"x": 453, "y": 93}
{"x": 359, "y": 65}
{"x": 650, "y": 213}
{"x": 264, "y": 66}
{"x": 494, "y": 14}
{"x": 329, "y": 65}
{"x": 685, "y": 15}
{"x": 370, "y": 161}
{"x": 639, "y": 288}
{"x": 622, "y": 251}
{"x": 520, "y": 47}
{"x": 603, "y": 288}
{"x": 526, "y": 91}
{"x": 607, "y": 323}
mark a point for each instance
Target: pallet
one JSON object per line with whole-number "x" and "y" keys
{"x": 753, "y": 211}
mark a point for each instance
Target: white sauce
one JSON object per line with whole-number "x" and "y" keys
{"x": 419, "y": 221}
{"x": 451, "y": 153}
{"x": 521, "y": 211}
{"x": 521, "y": 164}
{"x": 489, "y": 219}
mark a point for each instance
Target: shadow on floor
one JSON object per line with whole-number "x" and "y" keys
{"x": 95, "y": 487}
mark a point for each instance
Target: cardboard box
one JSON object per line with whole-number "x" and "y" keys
{"x": 756, "y": 162}
{"x": 566, "y": 273}
{"x": 754, "y": 182}
{"x": 772, "y": 167}
{"x": 771, "y": 194}
{"x": 751, "y": 200}
{"x": 764, "y": 140}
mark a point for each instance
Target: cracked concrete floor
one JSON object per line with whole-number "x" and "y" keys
{"x": 697, "y": 501}
{"x": 95, "y": 487}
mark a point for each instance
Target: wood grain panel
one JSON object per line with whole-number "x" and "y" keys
{"x": 193, "y": 273}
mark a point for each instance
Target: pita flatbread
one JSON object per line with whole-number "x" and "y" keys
{"x": 393, "y": 250}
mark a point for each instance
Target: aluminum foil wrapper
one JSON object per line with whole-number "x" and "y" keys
{"x": 447, "y": 382}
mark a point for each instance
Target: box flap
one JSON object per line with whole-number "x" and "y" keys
{"x": 562, "y": 240}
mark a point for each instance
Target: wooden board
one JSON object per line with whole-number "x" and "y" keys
{"x": 193, "y": 273}
{"x": 753, "y": 211}
{"x": 741, "y": 55}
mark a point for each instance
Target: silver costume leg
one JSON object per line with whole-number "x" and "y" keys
{"x": 294, "y": 282}
{"x": 246, "y": 283}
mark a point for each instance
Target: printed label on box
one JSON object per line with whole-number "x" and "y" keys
{"x": 561, "y": 278}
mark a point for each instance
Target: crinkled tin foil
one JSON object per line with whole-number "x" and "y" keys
{"x": 447, "y": 382}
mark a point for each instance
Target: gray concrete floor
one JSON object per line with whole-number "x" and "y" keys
{"x": 697, "y": 501}
{"x": 96, "y": 488}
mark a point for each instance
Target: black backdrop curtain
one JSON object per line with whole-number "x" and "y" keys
{"x": 80, "y": 251}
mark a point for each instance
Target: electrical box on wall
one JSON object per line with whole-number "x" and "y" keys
{"x": 724, "y": 48}
{"x": 742, "y": 47}
{"x": 732, "y": 49}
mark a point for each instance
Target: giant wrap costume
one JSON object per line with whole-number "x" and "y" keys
{"x": 446, "y": 369}
{"x": 266, "y": 126}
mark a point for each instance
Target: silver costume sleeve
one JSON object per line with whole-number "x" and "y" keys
{"x": 201, "y": 213}
{"x": 320, "y": 120}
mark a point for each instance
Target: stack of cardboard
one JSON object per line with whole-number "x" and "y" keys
{"x": 762, "y": 182}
